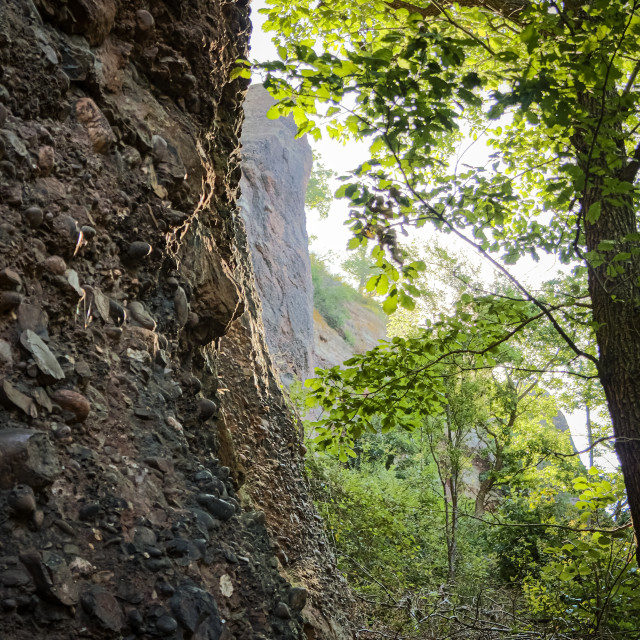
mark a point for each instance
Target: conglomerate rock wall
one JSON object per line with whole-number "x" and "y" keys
{"x": 151, "y": 475}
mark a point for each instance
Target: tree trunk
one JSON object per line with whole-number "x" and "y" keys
{"x": 615, "y": 299}
{"x": 487, "y": 484}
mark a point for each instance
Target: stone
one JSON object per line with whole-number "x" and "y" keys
{"x": 88, "y": 232}
{"x": 55, "y": 265}
{"x": 10, "y": 279}
{"x": 10, "y": 300}
{"x": 282, "y": 611}
{"x": 89, "y": 511}
{"x": 216, "y": 506}
{"x": 297, "y": 598}
{"x": 34, "y": 217}
{"x": 100, "y": 133}
{"x": 14, "y": 578}
{"x": 73, "y": 402}
{"x": 144, "y": 21}
{"x": 21, "y": 500}
{"x": 51, "y": 576}
{"x": 10, "y": 396}
{"x": 207, "y": 408}
{"x": 99, "y": 603}
{"x": 32, "y": 317}
{"x": 181, "y": 305}
{"x": 3, "y": 114}
{"x": 138, "y": 251}
{"x": 140, "y": 315}
{"x": 144, "y": 537}
{"x": 166, "y": 625}
{"x": 28, "y": 457}
{"x": 204, "y": 521}
{"x": 46, "y": 160}
{"x": 6, "y": 355}
{"x": 136, "y": 621}
{"x": 196, "y": 611}
{"x": 41, "y": 353}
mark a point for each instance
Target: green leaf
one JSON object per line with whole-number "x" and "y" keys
{"x": 593, "y": 213}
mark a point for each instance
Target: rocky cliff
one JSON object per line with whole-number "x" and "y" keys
{"x": 276, "y": 168}
{"x": 150, "y": 473}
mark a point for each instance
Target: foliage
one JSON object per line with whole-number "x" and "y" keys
{"x": 553, "y": 90}
{"x": 589, "y": 583}
{"x": 319, "y": 194}
{"x": 331, "y": 296}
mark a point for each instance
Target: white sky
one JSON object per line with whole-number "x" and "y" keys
{"x": 332, "y": 235}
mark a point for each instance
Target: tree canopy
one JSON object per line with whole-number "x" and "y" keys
{"x": 552, "y": 89}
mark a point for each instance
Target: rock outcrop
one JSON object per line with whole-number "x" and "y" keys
{"x": 150, "y": 473}
{"x": 363, "y": 328}
{"x": 276, "y": 168}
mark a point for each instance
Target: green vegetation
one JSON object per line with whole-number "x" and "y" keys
{"x": 319, "y": 194}
{"x": 549, "y": 94}
{"x": 550, "y": 556}
{"x": 553, "y": 91}
{"x": 331, "y": 296}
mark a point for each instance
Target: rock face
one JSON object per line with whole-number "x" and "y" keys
{"x": 151, "y": 478}
{"x": 276, "y": 169}
{"x": 364, "y": 327}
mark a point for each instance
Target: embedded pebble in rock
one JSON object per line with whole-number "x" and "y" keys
{"x": 41, "y": 353}
{"x": 193, "y": 320}
{"x": 21, "y": 500}
{"x": 3, "y": 114}
{"x": 27, "y": 457}
{"x": 98, "y": 127}
{"x": 9, "y": 395}
{"x": 55, "y": 265}
{"x": 89, "y": 511}
{"x": 217, "y": 507}
{"x": 73, "y": 402}
{"x": 131, "y": 157}
{"x": 31, "y": 316}
{"x": 74, "y": 282}
{"x": 10, "y": 300}
{"x": 6, "y": 355}
{"x": 51, "y": 576}
{"x": 166, "y": 625}
{"x": 226, "y": 586}
{"x": 98, "y": 602}
{"x": 116, "y": 312}
{"x": 205, "y": 522}
{"x": 298, "y": 598}
{"x": 144, "y": 21}
{"x": 207, "y": 408}
{"x": 138, "y": 251}
{"x": 140, "y": 315}
{"x": 181, "y": 305}
{"x": 46, "y": 160}
{"x": 34, "y": 217}
{"x": 88, "y": 232}
{"x": 282, "y": 611}
{"x": 9, "y": 279}
{"x": 191, "y": 606}
{"x": 160, "y": 148}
